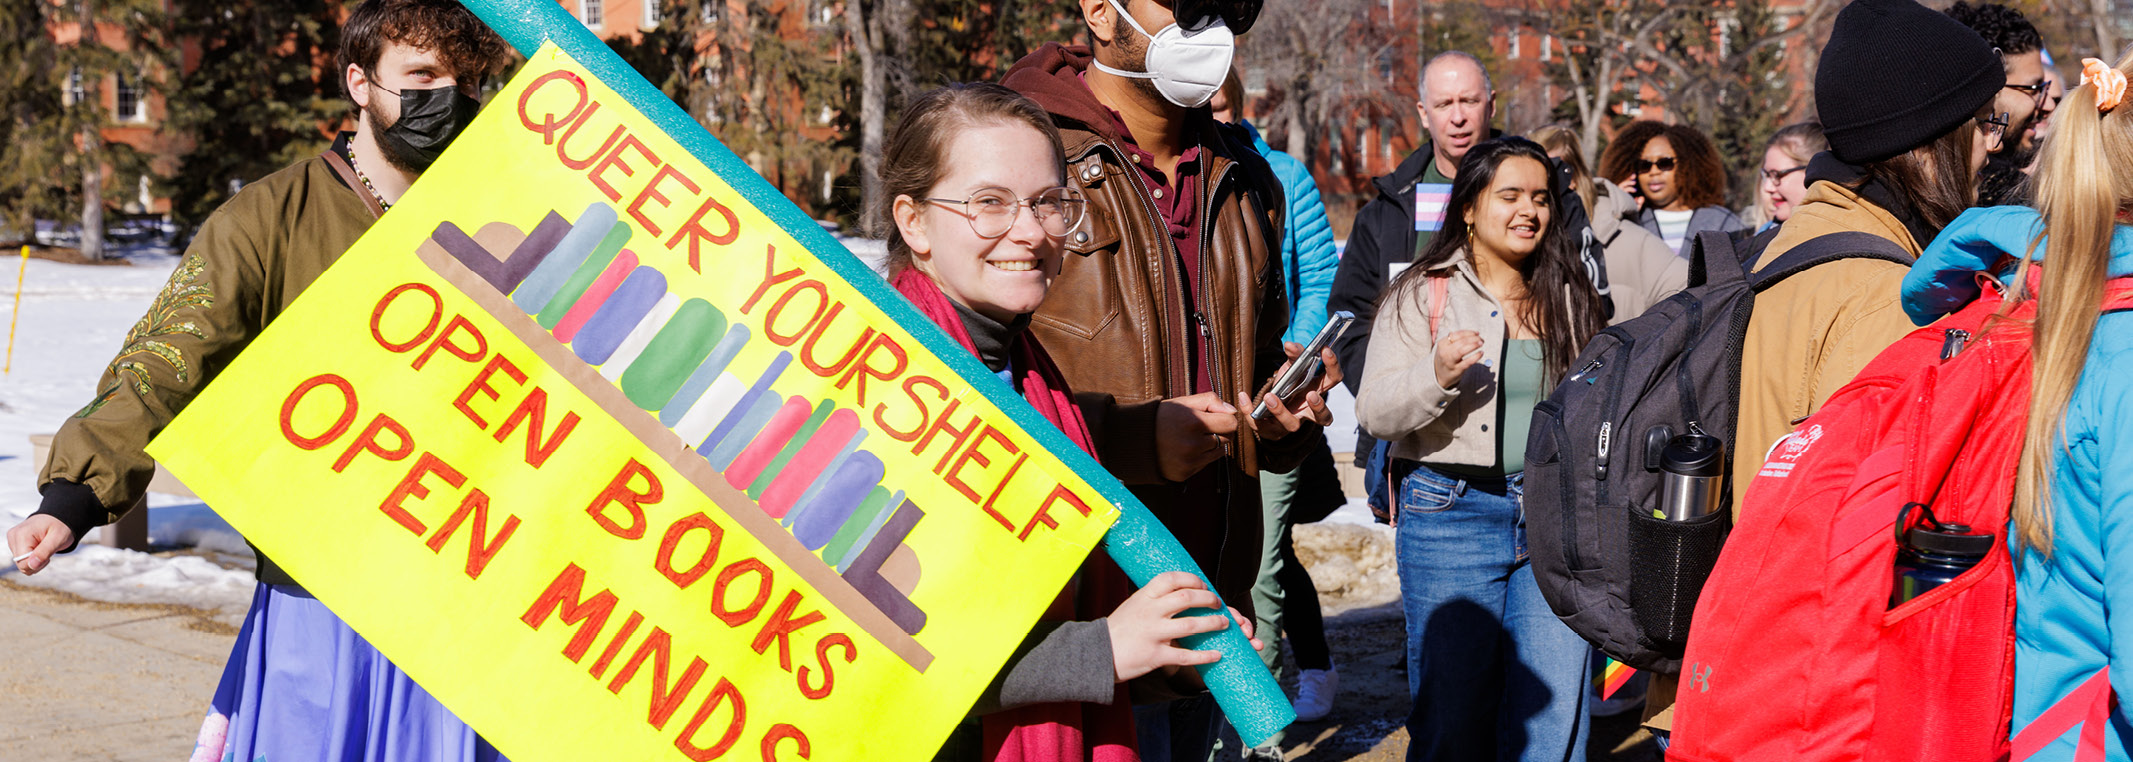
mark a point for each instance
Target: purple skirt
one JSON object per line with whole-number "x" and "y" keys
{"x": 302, "y": 685}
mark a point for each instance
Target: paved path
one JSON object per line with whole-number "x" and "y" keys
{"x": 81, "y": 680}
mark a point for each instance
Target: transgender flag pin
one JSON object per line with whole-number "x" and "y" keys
{"x": 1430, "y": 201}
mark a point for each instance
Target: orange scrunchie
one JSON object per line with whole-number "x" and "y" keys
{"x": 2110, "y": 83}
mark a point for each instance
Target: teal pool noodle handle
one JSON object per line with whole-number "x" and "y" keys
{"x": 1252, "y": 701}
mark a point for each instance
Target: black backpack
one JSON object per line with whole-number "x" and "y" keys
{"x": 1621, "y": 578}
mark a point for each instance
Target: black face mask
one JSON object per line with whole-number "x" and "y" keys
{"x": 429, "y": 120}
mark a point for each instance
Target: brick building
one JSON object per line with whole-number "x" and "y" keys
{"x": 133, "y": 111}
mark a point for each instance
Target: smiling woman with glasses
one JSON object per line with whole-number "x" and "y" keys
{"x": 1784, "y": 174}
{"x": 994, "y": 211}
{"x": 980, "y": 205}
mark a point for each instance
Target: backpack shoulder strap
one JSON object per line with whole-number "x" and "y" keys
{"x": 2118, "y": 295}
{"x": 340, "y": 166}
{"x": 2087, "y": 706}
{"x": 1824, "y": 249}
{"x": 1717, "y": 256}
{"x": 1439, "y": 288}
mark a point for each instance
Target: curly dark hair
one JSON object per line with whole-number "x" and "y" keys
{"x": 465, "y": 43}
{"x": 1619, "y": 161}
{"x": 2001, "y": 26}
{"x": 1698, "y": 170}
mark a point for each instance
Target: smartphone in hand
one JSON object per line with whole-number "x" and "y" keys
{"x": 1307, "y": 367}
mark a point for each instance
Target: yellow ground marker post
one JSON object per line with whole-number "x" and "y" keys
{"x": 21, "y": 273}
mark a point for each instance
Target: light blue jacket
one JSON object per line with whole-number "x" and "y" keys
{"x": 2074, "y": 608}
{"x": 1308, "y": 259}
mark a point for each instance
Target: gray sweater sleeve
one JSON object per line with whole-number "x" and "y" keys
{"x": 1057, "y": 662}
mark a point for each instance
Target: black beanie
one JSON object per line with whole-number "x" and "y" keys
{"x": 1896, "y": 75}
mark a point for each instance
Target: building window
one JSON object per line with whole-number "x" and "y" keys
{"x": 1513, "y": 34}
{"x": 129, "y": 103}
{"x": 75, "y": 93}
{"x": 590, "y": 12}
{"x": 1547, "y": 46}
{"x": 714, "y": 10}
{"x": 651, "y": 14}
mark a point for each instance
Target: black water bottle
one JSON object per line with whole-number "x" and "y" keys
{"x": 1930, "y": 554}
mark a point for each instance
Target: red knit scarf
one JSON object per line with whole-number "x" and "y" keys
{"x": 1057, "y": 732}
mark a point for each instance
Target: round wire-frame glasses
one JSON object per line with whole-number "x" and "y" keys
{"x": 992, "y": 211}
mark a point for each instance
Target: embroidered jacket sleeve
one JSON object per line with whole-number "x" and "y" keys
{"x": 205, "y": 315}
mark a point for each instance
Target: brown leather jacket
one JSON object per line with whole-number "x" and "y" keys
{"x": 1117, "y": 322}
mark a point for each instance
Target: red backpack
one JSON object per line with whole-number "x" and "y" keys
{"x": 1794, "y": 654}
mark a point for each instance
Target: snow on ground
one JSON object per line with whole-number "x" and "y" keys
{"x": 73, "y": 319}
{"x": 1342, "y": 435}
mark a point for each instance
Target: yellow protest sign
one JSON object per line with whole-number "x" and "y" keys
{"x": 617, "y": 470}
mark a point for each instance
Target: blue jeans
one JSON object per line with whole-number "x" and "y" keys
{"x": 1494, "y": 674}
{"x": 1186, "y": 730}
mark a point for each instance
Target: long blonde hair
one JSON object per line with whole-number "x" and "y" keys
{"x": 2085, "y": 179}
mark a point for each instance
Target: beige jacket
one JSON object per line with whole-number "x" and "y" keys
{"x": 1813, "y": 332}
{"x": 1399, "y": 400}
{"x": 1641, "y": 270}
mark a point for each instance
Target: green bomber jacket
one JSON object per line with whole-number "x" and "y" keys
{"x": 248, "y": 262}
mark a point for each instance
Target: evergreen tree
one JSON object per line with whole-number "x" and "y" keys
{"x": 770, "y": 80}
{"x": 264, "y": 95}
{"x": 1749, "y": 103}
{"x": 35, "y": 182}
{"x": 112, "y": 39}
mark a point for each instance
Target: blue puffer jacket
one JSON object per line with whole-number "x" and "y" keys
{"x": 2071, "y": 613}
{"x": 1308, "y": 258}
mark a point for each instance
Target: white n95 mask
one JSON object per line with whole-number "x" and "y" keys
{"x": 1188, "y": 67}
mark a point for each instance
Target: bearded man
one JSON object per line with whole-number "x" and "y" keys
{"x": 1172, "y": 287}
{"x": 299, "y": 684}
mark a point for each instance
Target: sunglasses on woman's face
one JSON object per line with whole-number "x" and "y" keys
{"x": 1663, "y": 164}
{"x": 1196, "y": 15}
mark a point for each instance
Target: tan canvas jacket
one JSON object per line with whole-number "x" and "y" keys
{"x": 1813, "y": 332}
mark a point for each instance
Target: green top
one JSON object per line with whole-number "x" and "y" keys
{"x": 1524, "y": 385}
{"x": 1521, "y": 385}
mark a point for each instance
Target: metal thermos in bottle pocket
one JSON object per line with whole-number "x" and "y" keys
{"x": 1693, "y": 468}
{"x": 1675, "y": 543}
{"x": 1931, "y": 554}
